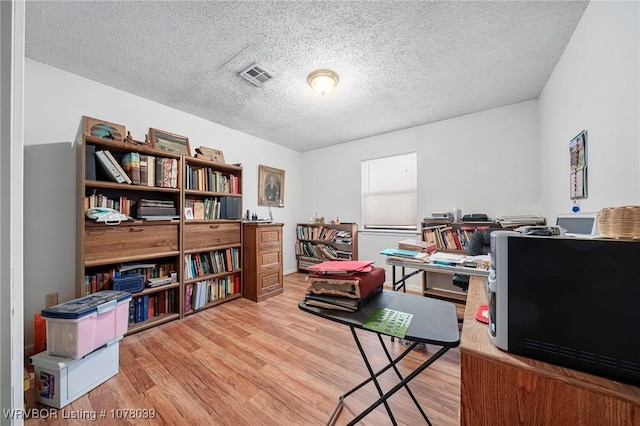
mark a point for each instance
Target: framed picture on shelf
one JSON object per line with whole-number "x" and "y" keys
{"x": 103, "y": 129}
{"x": 271, "y": 186}
{"x": 210, "y": 154}
{"x": 188, "y": 213}
{"x": 169, "y": 142}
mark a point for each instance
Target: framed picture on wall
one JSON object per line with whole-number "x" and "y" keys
{"x": 270, "y": 186}
{"x": 170, "y": 142}
{"x": 578, "y": 166}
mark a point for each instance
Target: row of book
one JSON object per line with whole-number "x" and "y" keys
{"x": 134, "y": 168}
{"x": 152, "y": 272}
{"x": 306, "y": 248}
{"x": 144, "y": 308}
{"x": 200, "y": 293}
{"x": 215, "y": 208}
{"x": 122, "y": 204}
{"x": 449, "y": 238}
{"x": 212, "y": 262}
{"x": 208, "y": 179}
{"x": 321, "y": 233}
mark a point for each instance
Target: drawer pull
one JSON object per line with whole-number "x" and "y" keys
{"x": 136, "y": 229}
{"x": 96, "y": 231}
{"x": 214, "y": 226}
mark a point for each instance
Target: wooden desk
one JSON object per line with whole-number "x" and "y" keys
{"x": 499, "y": 388}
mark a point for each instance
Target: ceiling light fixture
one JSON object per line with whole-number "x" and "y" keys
{"x": 323, "y": 81}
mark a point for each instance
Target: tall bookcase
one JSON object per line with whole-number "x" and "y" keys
{"x": 318, "y": 243}
{"x": 212, "y": 240}
{"x": 159, "y": 248}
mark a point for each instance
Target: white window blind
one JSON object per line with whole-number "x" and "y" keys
{"x": 389, "y": 192}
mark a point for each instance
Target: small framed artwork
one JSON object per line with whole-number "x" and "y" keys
{"x": 169, "y": 142}
{"x": 271, "y": 186}
{"x": 211, "y": 154}
{"x": 578, "y": 166}
{"x": 103, "y": 129}
{"x": 188, "y": 213}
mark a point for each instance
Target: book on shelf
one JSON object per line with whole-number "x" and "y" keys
{"x": 158, "y": 217}
{"x": 109, "y": 168}
{"x": 174, "y": 173}
{"x": 151, "y": 170}
{"x": 156, "y": 211}
{"x": 160, "y": 281}
{"x": 188, "y": 293}
{"x": 230, "y": 208}
{"x": 144, "y": 202}
{"x": 115, "y": 163}
{"x": 90, "y": 162}
{"x": 166, "y": 170}
{"x": 131, "y": 165}
{"x": 144, "y": 170}
{"x": 198, "y": 210}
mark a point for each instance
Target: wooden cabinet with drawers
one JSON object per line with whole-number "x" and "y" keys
{"x": 262, "y": 260}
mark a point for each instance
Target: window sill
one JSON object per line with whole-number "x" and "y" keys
{"x": 399, "y": 232}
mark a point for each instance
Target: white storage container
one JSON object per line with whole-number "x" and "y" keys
{"x": 79, "y": 326}
{"x": 62, "y": 380}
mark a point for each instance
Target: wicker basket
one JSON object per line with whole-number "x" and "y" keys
{"x": 619, "y": 222}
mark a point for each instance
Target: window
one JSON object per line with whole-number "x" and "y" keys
{"x": 389, "y": 192}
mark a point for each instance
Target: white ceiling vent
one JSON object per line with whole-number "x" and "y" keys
{"x": 256, "y": 74}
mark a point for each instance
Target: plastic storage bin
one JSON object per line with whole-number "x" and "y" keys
{"x": 62, "y": 380}
{"x": 79, "y": 326}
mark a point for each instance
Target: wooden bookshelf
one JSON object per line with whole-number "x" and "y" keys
{"x": 102, "y": 249}
{"x": 452, "y": 236}
{"x": 212, "y": 240}
{"x": 318, "y": 243}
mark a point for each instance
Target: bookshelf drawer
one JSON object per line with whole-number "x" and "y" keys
{"x": 205, "y": 235}
{"x": 104, "y": 244}
{"x": 270, "y": 259}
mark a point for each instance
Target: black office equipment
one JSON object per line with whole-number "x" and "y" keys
{"x": 568, "y": 301}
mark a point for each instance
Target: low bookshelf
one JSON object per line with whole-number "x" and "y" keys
{"x": 317, "y": 243}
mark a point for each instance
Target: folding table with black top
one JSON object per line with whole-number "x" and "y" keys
{"x": 434, "y": 322}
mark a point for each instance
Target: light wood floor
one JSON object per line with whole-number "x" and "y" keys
{"x": 268, "y": 363}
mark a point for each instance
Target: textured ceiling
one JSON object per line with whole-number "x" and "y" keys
{"x": 400, "y": 63}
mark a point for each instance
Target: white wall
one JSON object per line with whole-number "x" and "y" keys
{"x": 55, "y": 101}
{"x": 595, "y": 86}
{"x": 486, "y": 162}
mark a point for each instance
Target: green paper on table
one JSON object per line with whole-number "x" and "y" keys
{"x": 388, "y": 321}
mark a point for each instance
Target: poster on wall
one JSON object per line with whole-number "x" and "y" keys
{"x": 578, "y": 166}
